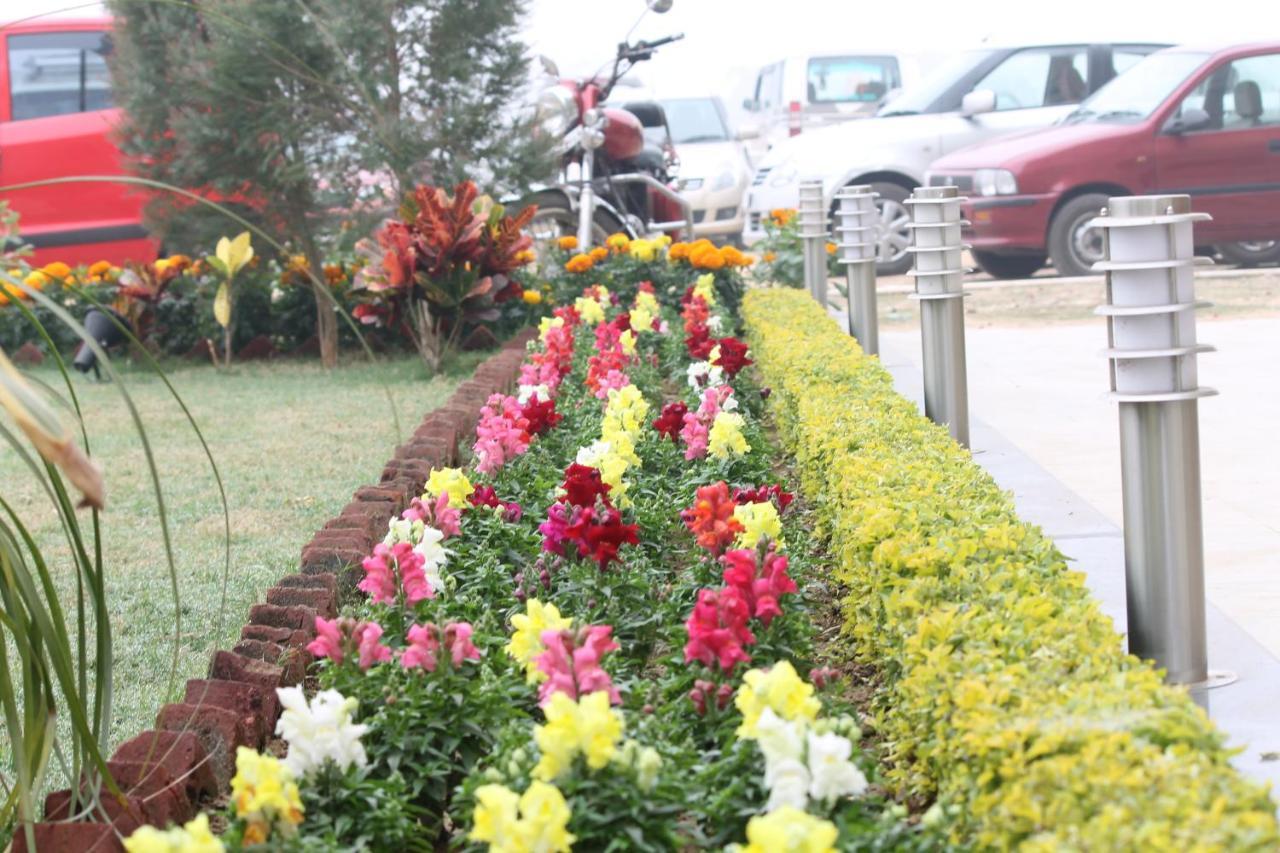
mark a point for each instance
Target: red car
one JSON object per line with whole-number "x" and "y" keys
{"x": 1205, "y": 122}
{"x": 56, "y": 120}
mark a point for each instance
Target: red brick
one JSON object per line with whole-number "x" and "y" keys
{"x": 179, "y": 753}
{"x": 397, "y": 469}
{"x": 292, "y": 660}
{"x": 357, "y": 539}
{"x": 220, "y": 731}
{"x": 157, "y": 787}
{"x": 70, "y": 838}
{"x": 381, "y": 493}
{"x": 327, "y": 560}
{"x": 319, "y": 581}
{"x": 256, "y": 706}
{"x": 297, "y": 617}
{"x": 322, "y": 601}
{"x": 279, "y": 636}
{"x": 368, "y": 525}
{"x": 233, "y": 667}
{"x": 362, "y": 509}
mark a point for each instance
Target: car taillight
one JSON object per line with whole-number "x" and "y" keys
{"x": 794, "y": 118}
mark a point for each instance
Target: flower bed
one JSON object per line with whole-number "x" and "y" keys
{"x": 597, "y": 635}
{"x": 1006, "y": 693}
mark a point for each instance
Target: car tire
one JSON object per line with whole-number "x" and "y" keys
{"x": 1073, "y": 247}
{"x": 1251, "y": 253}
{"x": 1008, "y": 266}
{"x": 894, "y": 237}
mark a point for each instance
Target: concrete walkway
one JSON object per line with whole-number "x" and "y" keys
{"x": 1044, "y": 429}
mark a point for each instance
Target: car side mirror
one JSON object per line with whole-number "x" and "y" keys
{"x": 661, "y": 7}
{"x": 747, "y": 132}
{"x": 977, "y": 102}
{"x": 1191, "y": 119}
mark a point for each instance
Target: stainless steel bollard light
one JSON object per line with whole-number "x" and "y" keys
{"x": 1152, "y": 350}
{"x": 812, "y": 215}
{"x": 857, "y": 227}
{"x": 939, "y": 274}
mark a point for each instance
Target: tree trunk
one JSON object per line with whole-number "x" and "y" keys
{"x": 326, "y": 321}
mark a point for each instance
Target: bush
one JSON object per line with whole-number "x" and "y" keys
{"x": 1006, "y": 693}
{"x": 782, "y": 252}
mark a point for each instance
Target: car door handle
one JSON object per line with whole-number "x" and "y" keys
{"x": 1274, "y": 146}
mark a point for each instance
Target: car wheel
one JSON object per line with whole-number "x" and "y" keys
{"x": 1073, "y": 245}
{"x": 895, "y": 236}
{"x": 1251, "y": 253}
{"x": 1008, "y": 266}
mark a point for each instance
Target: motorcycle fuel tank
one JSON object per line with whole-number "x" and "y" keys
{"x": 623, "y": 135}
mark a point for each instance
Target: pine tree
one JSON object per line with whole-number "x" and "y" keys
{"x": 297, "y": 111}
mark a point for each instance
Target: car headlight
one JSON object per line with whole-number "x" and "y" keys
{"x": 556, "y": 111}
{"x": 994, "y": 182}
{"x": 783, "y": 176}
{"x": 723, "y": 181}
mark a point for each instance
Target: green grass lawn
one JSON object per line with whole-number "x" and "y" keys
{"x": 292, "y": 442}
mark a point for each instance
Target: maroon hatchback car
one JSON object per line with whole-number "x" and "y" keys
{"x": 1205, "y": 122}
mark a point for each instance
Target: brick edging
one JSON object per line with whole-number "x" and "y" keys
{"x": 189, "y": 756}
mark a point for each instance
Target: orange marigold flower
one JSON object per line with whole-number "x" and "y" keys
{"x": 732, "y": 257}
{"x": 579, "y": 263}
{"x": 57, "y": 269}
{"x": 100, "y": 269}
{"x": 782, "y": 215}
{"x": 526, "y": 256}
{"x": 599, "y": 253}
{"x": 567, "y": 243}
{"x": 770, "y": 257}
{"x": 334, "y": 274}
{"x": 618, "y": 242}
{"x": 179, "y": 262}
{"x": 831, "y": 248}
{"x": 676, "y": 251}
{"x": 706, "y": 257}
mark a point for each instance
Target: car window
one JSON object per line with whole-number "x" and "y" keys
{"x": 1241, "y": 94}
{"x": 695, "y": 120}
{"x": 767, "y": 87}
{"x": 850, "y": 79}
{"x": 1124, "y": 58}
{"x": 54, "y": 74}
{"x": 1039, "y": 77}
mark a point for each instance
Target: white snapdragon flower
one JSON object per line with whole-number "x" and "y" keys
{"x": 704, "y": 374}
{"x": 714, "y": 323}
{"x": 593, "y": 453}
{"x": 788, "y": 782}
{"x": 541, "y": 393}
{"x": 832, "y": 773}
{"x": 434, "y": 556}
{"x": 320, "y": 731}
{"x": 403, "y": 530}
{"x": 779, "y": 740}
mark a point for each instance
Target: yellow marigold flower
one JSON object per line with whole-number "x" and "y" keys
{"x": 599, "y": 253}
{"x": 526, "y": 256}
{"x": 643, "y": 250}
{"x": 579, "y": 263}
{"x": 526, "y": 640}
{"x": 618, "y": 242}
{"x": 587, "y": 727}
{"x": 663, "y": 240}
{"x": 532, "y": 297}
{"x": 789, "y": 830}
{"x": 725, "y": 438}
{"x": 264, "y": 795}
{"x": 36, "y": 280}
{"x": 589, "y": 309}
{"x": 779, "y": 688}
{"x": 758, "y": 520}
{"x": 452, "y": 481}
{"x": 194, "y": 837}
{"x": 567, "y": 243}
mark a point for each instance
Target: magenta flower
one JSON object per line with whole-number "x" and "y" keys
{"x": 394, "y": 571}
{"x": 555, "y": 530}
{"x": 441, "y": 516}
{"x": 695, "y": 436}
{"x": 571, "y": 663}
{"x": 502, "y": 433}
{"x": 367, "y": 635}
{"x": 328, "y": 641}
{"x": 423, "y": 646}
{"x": 457, "y": 639}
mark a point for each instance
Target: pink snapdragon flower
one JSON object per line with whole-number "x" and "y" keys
{"x": 438, "y": 514}
{"x": 340, "y": 639}
{"x": 395, "y": 570}
{"x": 760, "y": 586}
{"x": 367, "y": 635}
{"x": 502, "y": 433}
{"x": 426, "y": 642}
{"x": 571, "y": 663}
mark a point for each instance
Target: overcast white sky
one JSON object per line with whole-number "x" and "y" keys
{"x": 726, "y": 40}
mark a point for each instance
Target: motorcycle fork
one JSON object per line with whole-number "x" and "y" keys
{"x": 586, "y": 202}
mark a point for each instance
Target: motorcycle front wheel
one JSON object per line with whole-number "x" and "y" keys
{"x": 554, "y": 220}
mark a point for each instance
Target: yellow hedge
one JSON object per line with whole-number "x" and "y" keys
{"x": 1006, "y": 693}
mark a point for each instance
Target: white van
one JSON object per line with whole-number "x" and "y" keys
{"x": 801, "y": 92}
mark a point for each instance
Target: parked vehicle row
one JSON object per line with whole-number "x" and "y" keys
{"x": 1039, "y": 136}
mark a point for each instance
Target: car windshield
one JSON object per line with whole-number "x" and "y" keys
{"x": 921, "y": 98}
{"x": 1137, "y": 93}
{"x": 695, "y": 120}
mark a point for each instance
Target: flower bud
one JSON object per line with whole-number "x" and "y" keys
{"x": 765, "y": 392}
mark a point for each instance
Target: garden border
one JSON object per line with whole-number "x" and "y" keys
{"x": 189, "y": 756}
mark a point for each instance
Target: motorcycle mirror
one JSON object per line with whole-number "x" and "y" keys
{"x": 548, "y": 66}
{"x": 659, "y": 6}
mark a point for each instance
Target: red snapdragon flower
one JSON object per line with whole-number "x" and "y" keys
{"x": 711, "y": 520}
{"x": 540, "y": 415}
{"x": 582, "y": 486}
{"x": 763, "y": 494}
{"x": 761, "y": 586}
{"x": 733, "y": 356}
{"x": 718, "y": 629}
{"x": 671, "y": 420}
{"x": 600, "y": 533}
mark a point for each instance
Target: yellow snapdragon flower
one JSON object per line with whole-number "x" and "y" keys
{"x": 546, "y": 324}
{"x": 725, "y": 438}
{"x": 779, "y": 688}
{"x": 705, "y": 287}
{"x": 451, "y": 481}
{"x": 526, "y": 641}
{"x": 589, "y": 309}
{"x": 194, "y": 837}
{"x": 790, "y": 830}
{"x": 757, "y": 519}
{"x": 534, "y": 822}
{"x": 265, "y": 796}
{"x": 588, "y": 727}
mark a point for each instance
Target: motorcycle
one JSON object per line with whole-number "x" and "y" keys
{"x": 616, "y": 164}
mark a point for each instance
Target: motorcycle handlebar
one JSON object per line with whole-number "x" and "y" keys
{"x": 645, "y": 49}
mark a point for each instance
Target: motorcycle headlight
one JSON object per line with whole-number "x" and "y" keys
{"x": 723, "y": 181}
{"x": 556, "y": 111}
{"x": 994, "y": 182}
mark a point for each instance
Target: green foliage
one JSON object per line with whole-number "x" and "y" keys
{"x": 1007, "y": 693}
{"x": 780, "y": 254}
{"x": 357, "y": 811}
